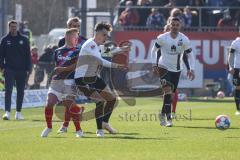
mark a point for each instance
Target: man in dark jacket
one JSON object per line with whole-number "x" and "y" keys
{"x": 15, "y": 63}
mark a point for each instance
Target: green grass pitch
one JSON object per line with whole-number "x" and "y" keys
{"x": 140, "y": 137}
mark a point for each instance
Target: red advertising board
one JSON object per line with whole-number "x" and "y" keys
{"x": 210, "y": 48}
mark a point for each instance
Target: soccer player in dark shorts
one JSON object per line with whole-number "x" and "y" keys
{"x": 167, "y": 58}
{"x": 234, "y": 69}
{"x": 87, "y": 77}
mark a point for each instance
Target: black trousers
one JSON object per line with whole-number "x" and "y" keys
{"x": 14, "y": 77}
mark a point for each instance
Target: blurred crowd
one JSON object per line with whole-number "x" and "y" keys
{"x": 193, "y": 13}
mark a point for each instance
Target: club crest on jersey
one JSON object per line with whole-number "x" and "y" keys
{"x": 93, "y": 46}
{"x": 180, "y": 42}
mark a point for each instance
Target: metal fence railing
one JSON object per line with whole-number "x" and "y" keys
{"x": 202, "y": 18}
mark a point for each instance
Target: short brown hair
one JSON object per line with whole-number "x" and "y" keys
{"x": 12, "y": 22}
{"x": 70, "y": 31}
{"x": 103, "y": 25}
{"x": 170, "y": 19}
{"x": 73, "y": 19}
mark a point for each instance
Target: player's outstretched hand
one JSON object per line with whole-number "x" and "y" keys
{"x": 191, "y": 74}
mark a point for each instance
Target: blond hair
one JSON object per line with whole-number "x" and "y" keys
{"x": 71, "y": 31}
{"x": 71, "y": 20}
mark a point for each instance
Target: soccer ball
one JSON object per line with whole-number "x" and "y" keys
{"x": 220, "y": 94}
{"x": 222, "y": 122}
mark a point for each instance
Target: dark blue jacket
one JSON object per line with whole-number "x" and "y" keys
{"x": 15, "y": 53}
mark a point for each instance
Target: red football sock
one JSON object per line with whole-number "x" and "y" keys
{"x": 75, "y": 114}
{"x": 67, "y": 117}
{"x": 174, "y": 101}
{"x": 48, "y": 116}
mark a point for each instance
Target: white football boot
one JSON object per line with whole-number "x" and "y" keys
{"x": 107, "y": 127}
{"x": 79, "y": 134}
{"x": 100, "y": 133}
{"x": 237, "y": 113}
{"x": 6, "y": 116}
{"x": 62, "y": 130}
{"x": 46, "y": 131}
{"x": 18, "y": 116}
{"x": 169, "y": 123}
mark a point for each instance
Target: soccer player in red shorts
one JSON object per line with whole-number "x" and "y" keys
{"x": 62, "y": 87}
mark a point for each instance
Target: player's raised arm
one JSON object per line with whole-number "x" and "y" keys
{"x": 113, "y": 49}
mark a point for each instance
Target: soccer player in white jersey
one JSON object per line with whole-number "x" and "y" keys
{"x": 87, "y": 72}
{"x": 168, "y": 54}
{"x": 87, "y": 76}
{"x": 234, "y": 68}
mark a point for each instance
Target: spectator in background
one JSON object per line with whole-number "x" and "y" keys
{"x": 182, "y": 2}
{"x": 176, "y": 12}
{"x": 237, "y": 18}
{"x": 197, "y": 3}
{"x": 188, "y": 15}
{"x": 34, "y": 58}
{"x": 34, "y": 55}
{"x": 159, "y": 3}
{"x": 45, "y": 64}
{"x": 15, "y": 62}
{"x": 155, "y": 19}
{"x": 143, "y": 12}
{"x": 171, "y": 3}
{"x": 130, "y": 16}
{"x": 226, "y": 21}
{"x": 24, "y": 30}
{"x": 215, "y": 3}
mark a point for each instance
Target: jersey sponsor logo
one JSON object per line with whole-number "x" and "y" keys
{"x": 60, "y": 57}
{"x": 173, "y": 48}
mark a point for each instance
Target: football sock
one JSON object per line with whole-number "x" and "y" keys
{"x": 174, "y": 101}
{"x": 67, "y": 117}
{"x": 167, "y": 105}
{"x": 48, "y": 116}
{"x": 237, "y": 99}
{"x": 108, "y": 110}
{"x": 99, "y": 114}
{"x": 75, "y": 114}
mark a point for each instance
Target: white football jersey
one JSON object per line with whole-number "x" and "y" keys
{"x": 90, "y": 60}
{"x": 236, "y": 46}
{"x": 172, "y": 50}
